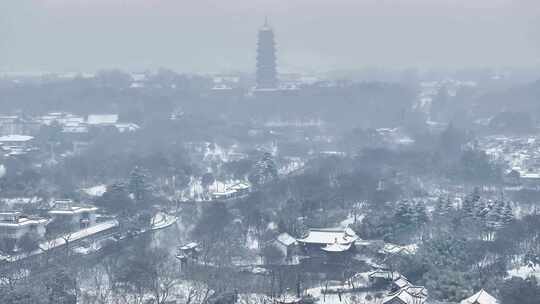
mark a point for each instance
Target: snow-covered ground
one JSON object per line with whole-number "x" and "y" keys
{"x": 92, "y": 288}
{"x": 524, "y": 272}
{"x": 95, "y": 191}
{"x": 10, "y": 202}
{"x": 347, "y": 298}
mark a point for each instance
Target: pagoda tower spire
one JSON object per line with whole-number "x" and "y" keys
{"x": 266, "y": 75}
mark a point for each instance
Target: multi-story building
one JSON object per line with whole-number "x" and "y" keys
{"x": 13, "y": 225}
{"x": 15, "y": 124}
{"x": 79, "y": 215}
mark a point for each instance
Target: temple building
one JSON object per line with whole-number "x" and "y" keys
{"x": 329, "y": 240}
{"x": 402, "y": 291}
{"x": 13, "y": 225}
{"x": 481, "y": 297}
{"x": 266, "y": 59}
{"x": 78, "y": 215}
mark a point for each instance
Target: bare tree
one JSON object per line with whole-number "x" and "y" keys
{"x": 148, "y": 274}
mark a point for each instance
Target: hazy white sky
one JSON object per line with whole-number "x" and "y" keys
{"x": 217, "y": 35}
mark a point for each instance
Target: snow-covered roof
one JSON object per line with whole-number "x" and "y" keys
{"x": 75, "y": 129}
{"x": 123, "y": 127}
{"x": 406, "y": 296}
{"x": 481, "y": 297}
{"x": 9, "y": 117}
{"x": 83, "y": 233}
{"x": 530, "y": 176}
{"x": 288, "y": 299}
{"x": 224, "y": 193}
{"x": 402, "y": 282}
{"x": 67, "y": 207}
{"x": 397, "y": 249}
{"x": 221, "y": 87}
{"x": 97, "y": 190}
{"x": 330, "y": 236}
{"x": 286, "y": 239}
{"x": 336, "y": 247}
{"x": 20, "y": 200}
{"x": 419, "y": 291}
{"x": 384, "y": 274}
{"x": 102, "y": 119}
{"x": 240, "y": 186}
{"x": 15, "y": 138}
{"x": 189, "y": 246}
{"x": 16, "y": 219}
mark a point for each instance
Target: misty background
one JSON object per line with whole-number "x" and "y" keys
{"x": 218, "y": 36}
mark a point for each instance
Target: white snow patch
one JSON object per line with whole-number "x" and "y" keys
{"x": 97, "y": 190}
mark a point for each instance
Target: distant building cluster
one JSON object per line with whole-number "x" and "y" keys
{"x": 521, "y": 155}
{"x": 18, "y": 132}
{"x": 70, "y": 216}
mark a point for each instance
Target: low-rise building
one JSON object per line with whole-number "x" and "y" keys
{"x": 16, "y": 144}
{"x": 329, "y": 240}
{"x": 127, "y": 127}
{"x": 385, "y": 275}
{"x": 15, "y": 139}
{"x": 15, "y": 124}
{"x": 235, "y": 191}
{"x": 189, "y": 252}
{"x": 399, "y": 283}
{"x": 102, "y": 119}
{"x": 285, "y": 243}
{"x": 530, "y": 180}
{"x": 13, "y": 225}
{"x": 79, "y": 215}
{"x": 406, "y": 293}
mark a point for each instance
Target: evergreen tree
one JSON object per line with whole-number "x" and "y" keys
{"x": 116, "y": 199}
{"x": 470, "y": 203}
{"x": 481, "y": 210}
{"x": 468, "y": 207}
{"x": 493, "y": 216}
{"x": 265, "y": 170}
{"x": 507, "y": 214}
{"x": 404, "y": 213}
{"x": 498, "y": 211}
{"x": 207, "y": 179}
{"x": 475, "y": 195}
{"x": 439, "y": 207}
{"x": 138, "y": 186}
{"x": 448, "y": 207}
{"x": 420, "y": 213}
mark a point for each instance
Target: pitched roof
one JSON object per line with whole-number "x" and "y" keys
{"x": 384, "y": 274}
{"x": 336, "y": 247}
{"x": 402, "y": 282}
{"x": 286, "y": 239}
{"x": 406, "y": 296}
{"x": 481, "y": 297}
{"x": 330, "y": 236}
